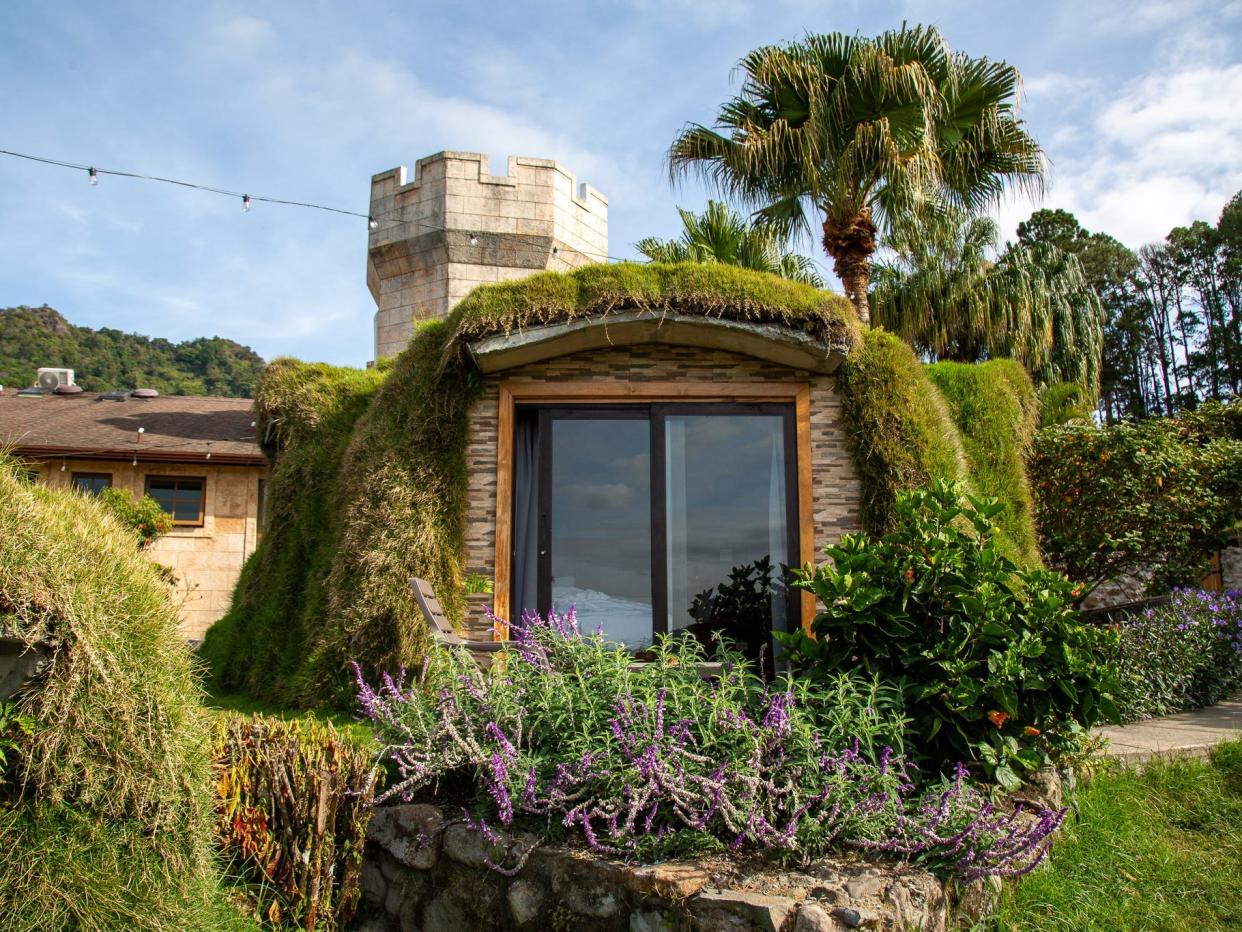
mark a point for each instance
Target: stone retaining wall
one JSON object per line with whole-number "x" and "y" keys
{"x": 423, "y": 873}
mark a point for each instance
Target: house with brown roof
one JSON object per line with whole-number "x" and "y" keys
{"x": 196, "y": 456}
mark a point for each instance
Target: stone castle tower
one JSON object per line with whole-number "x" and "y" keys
{"x": 455, "y": 226}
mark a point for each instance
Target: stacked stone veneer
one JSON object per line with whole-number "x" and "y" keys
{"x": 455, "y": 226}
{"x": 421, "y": 872}
{"x": 836, "y": 491}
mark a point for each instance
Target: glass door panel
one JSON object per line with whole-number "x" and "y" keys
{"x": 598, "y": 496}
{"x": 727, "y": 525}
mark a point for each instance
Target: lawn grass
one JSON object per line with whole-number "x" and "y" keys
{"x": 1158, "y": 848}
{"x": 357, "y": 732}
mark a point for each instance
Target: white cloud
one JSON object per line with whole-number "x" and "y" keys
{"x": 1165, "y": 152}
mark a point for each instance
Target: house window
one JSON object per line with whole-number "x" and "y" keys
{"x": 92, "y": 483}
{"x": 657, "y": 518}
{"x": 180, "y": 496}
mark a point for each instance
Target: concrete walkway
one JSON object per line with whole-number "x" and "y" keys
{"x": 1188, "y": 734}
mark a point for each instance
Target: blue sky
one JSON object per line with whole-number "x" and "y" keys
{"x": 1139, "y": 106}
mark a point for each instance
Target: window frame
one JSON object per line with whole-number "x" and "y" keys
{"x": 202, "y": 503}
{"x": 75, "y": 476}
{"x": 609, "y": 393}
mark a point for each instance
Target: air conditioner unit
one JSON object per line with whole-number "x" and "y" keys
{"x": 51, "y": 379}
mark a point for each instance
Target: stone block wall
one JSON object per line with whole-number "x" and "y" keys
{"x": 456, "y": 226}
{"x": 421, "y": 873}
{"x": 836, "y": 489}
{"x": 206, "y": 560}
{"x": 1231, "y": 566}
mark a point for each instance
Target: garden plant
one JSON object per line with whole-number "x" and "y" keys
{"x": 566, "y": 738}
{"x": 993, "y": 664}
{"x": 1151, "y": 498}
{"x": 1180, "y": 655}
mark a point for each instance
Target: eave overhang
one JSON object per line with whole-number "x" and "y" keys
{"x": 768, "y": 342}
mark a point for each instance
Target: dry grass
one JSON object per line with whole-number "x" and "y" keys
{"x": 109, "y": 820}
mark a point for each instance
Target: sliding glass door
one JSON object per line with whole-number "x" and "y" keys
{"x": 657, "y": 518}
{"x": 596, "y": 553}
{"x": 727, "y": 522}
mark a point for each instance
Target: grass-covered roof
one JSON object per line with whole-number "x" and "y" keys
{"x": 369, "y": 480}
{"x": 708, "y": 290}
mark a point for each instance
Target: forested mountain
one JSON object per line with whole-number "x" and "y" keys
{"x": 107, "y": 359}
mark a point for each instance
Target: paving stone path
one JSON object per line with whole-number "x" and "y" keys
{"x": 1188, "y": 734}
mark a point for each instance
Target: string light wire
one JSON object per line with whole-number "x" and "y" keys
{"x": 373, "y": 220}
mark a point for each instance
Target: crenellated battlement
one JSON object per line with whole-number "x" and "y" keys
{"x": 455, "y": 225}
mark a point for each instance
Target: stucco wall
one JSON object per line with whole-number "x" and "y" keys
{"x": 836, "y": 489}
{"x": 207, "y": 559}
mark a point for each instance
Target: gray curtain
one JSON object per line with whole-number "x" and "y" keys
{"x": 525, "y": 513}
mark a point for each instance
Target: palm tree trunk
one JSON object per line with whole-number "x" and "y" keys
{"x": 855, "y": 279}
{"x": 851, "y": 243}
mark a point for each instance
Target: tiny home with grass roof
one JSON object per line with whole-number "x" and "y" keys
{"x": 652, "y": 444}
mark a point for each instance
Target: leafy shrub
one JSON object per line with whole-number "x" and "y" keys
{"x": 993, "y": 663}
{"x": 900, "y": 430}
{"x": 656, "y": 761}
{"x": 292, "y": 801}
{"x": 1183, "y": 655}
{"x": 143, "y": 516}
{"x": 1154, "y": 497}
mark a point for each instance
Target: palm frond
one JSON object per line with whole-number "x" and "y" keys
{"x": 844, "y": 125}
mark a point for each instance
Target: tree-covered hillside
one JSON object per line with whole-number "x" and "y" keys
{"x": 107, "y": 359}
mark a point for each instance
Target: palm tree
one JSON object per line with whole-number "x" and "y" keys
{"x": 860, "y": 132}
{"x": 943, "y": 292}
{"x": 720, "y": 234}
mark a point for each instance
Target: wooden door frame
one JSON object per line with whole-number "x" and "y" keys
{"x": 512, "y": 394}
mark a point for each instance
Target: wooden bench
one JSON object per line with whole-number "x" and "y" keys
{"x": 438, "y": 624}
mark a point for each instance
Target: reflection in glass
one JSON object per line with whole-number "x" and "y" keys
{"x": 601, "y": 525}
{"x": 727, "y": 532}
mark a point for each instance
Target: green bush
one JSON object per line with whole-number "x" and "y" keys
{"x": 1181, "y": 655}
{"x": 143, "y": 516}
{"x": 307, "y": 413}
{"x": 293, "y": 801}
{"x": 993, "y": 663}
{"x": 898, "y": 425}
{"x": 106, "y": 822}
{"x": 994, "y": 406}
{"x": 1154, "y": 497}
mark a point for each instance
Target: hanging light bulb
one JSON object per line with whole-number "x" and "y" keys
{"x": 474, "y": 240}
{"x": 135, "y": 463}
{"x": 246, "y": 203}
{"x": 372, "y": 223}
{"x": 62, "y": 464}
{"x": 92, "y": 176}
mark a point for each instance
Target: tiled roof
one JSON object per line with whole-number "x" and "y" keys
{"x": 175, "y": 427}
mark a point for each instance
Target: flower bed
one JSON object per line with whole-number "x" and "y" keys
{"x": 567, "y": 741}
{"x": 1182, "y": 655}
